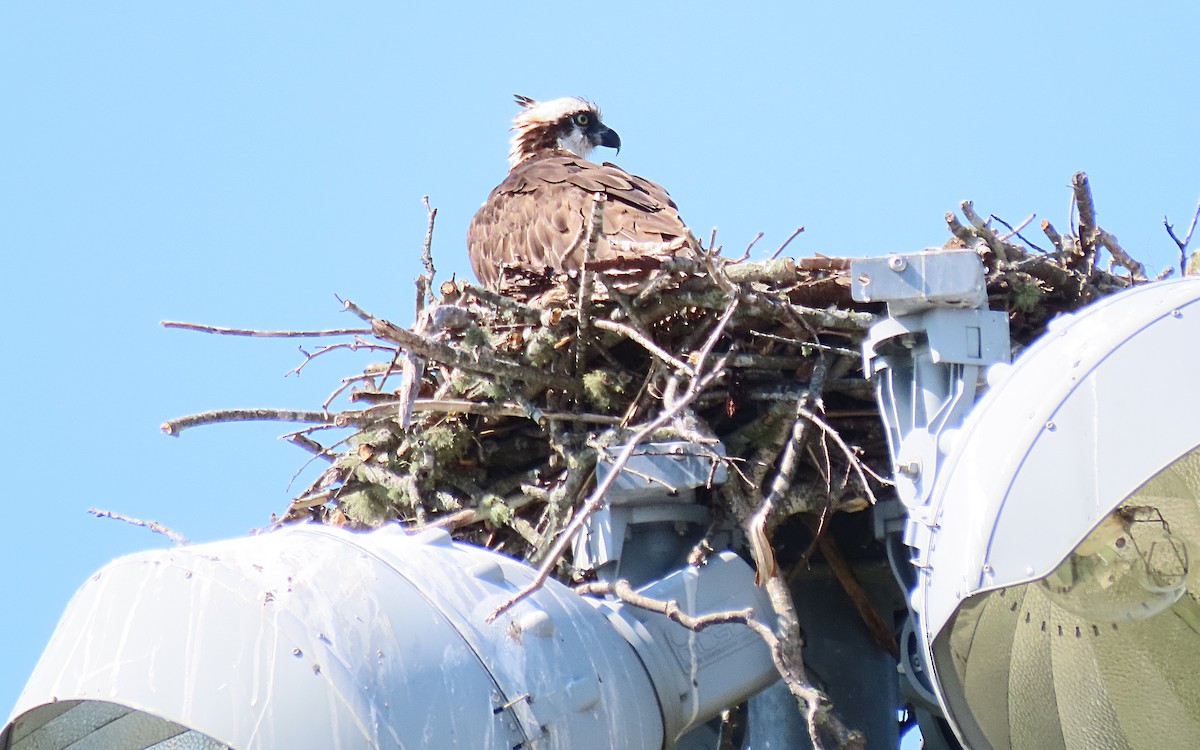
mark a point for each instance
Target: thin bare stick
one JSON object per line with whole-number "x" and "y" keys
{"x": 176, "y": 426}
{"x": 154, "y": 526}
{"x": 647, "y": 344}
{"x": 356, "y": 345}
{"x": 595, "y": 228}
{"x": 427, "y": 248}
{"x": 324, "y": 419}
{"x": 264, "y": 334}
{"x": 313, "y": 447}
{"x": 851, "y": 456}
{"x": 787, "y": 242}
{"x": 346, "y": 383}
{"x": 1187, "y": 238}
{"x": 1016, "y": 231}
{"x": 746, "y": 252}
{"x": 668, "y": 608}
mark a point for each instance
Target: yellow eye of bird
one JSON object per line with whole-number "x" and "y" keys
{"x": 581, "y": 119}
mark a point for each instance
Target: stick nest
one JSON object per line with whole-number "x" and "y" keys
{"x": 488, "y": 416}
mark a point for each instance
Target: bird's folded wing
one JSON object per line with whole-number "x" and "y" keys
{"x": 536, "y": 216}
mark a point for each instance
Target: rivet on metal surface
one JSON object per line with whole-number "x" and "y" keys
{"x": 897, "y": 263}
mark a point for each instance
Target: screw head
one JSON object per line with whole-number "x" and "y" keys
{"x": 897, "y": 263}
{"x": 911, "y": 469}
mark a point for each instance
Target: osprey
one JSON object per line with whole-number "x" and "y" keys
{"x": 536, "y": 218}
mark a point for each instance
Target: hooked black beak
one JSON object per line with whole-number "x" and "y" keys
{"x": 609, "y": 138}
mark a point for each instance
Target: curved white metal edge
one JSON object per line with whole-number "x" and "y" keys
{"x": 1084, "y": 418}
{"x": 240, "y": 640}
{"x": 240, "y": 582}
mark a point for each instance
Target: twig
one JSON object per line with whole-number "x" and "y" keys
{"x": 696, "y": 385}
{"x": 176, "y": 426}
{"x": 347, "y": 383}
{"x": 855, "y": 462}
{"x": 427, "y": 247}
{"x": 1053, "y": 234}
{"x": 356, "y": 345}
{"x": 646, "y": 343}
{"x": 746, "y": 252}
{"x": 787, "y": 242}
{"x": 154, "y": 526}
{"x": 365, "y": 416}
{"x": 1016, "y": 231}
{"x": 595, "y": 229}
{"x": 1137, "y": 271}
{"x": 391, "y": 367}
{"x": 264, "y": 334}
{"x": 312, "y": 446}
{"x": 668, "y": 608}
{"x": 1187, "y": 238}
{"x": 479, "y": 361}
{"x": 983, "y": 229}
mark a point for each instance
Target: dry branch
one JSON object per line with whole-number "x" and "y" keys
{"x": 265, "y": 334}
{"x": 154, "y": 526}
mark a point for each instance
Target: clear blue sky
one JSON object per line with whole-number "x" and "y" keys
{"x": 240, "y": 163}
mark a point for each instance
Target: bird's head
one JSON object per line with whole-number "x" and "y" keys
{"x": 570, "y": 123}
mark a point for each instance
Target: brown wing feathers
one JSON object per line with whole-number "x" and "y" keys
{"x": 535, "y": 217}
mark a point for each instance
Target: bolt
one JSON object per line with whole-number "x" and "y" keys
{"x": 911, "y": 469}
{"x": 897, "y": 263}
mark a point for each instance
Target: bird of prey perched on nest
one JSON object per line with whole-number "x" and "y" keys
{"x": 535, "y": 222}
